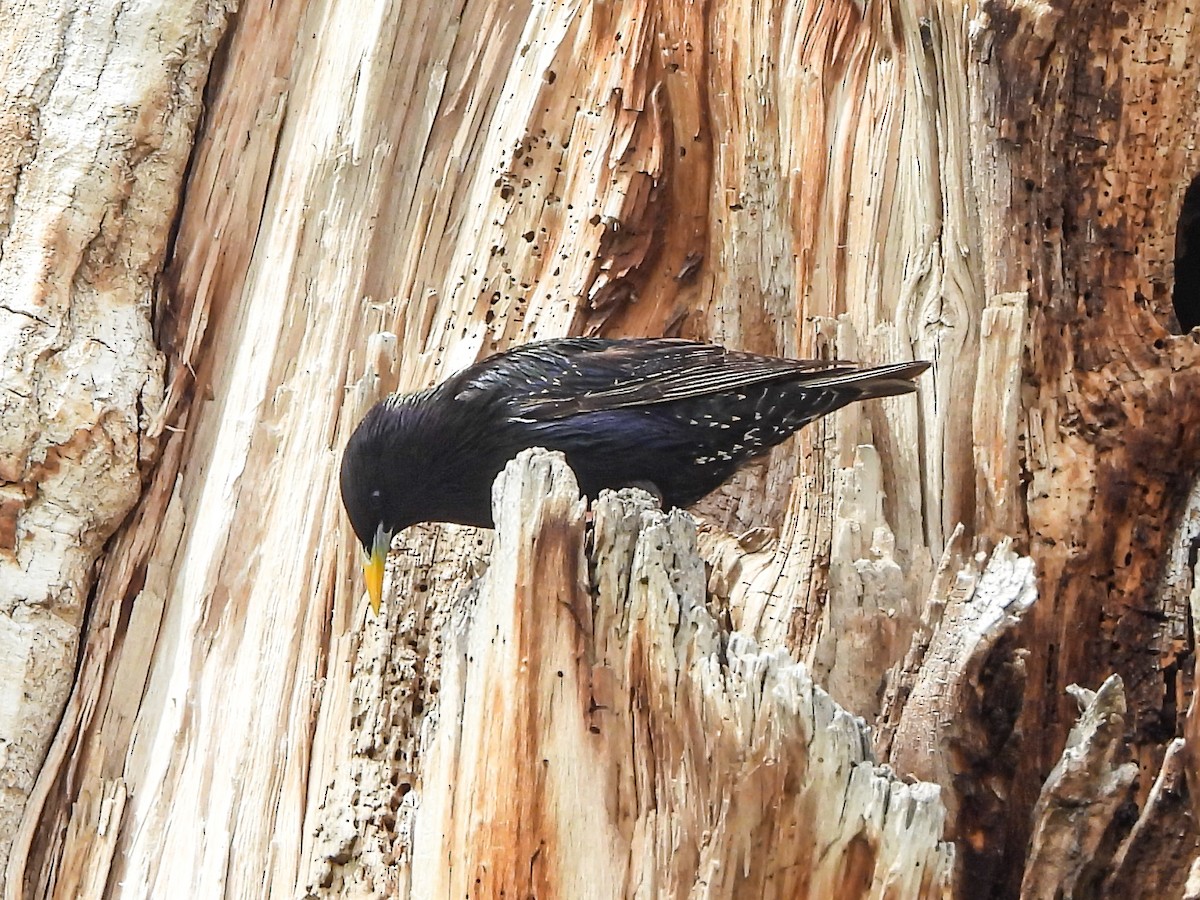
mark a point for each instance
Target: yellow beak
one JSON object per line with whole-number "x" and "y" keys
{"x": 373, "y": 567}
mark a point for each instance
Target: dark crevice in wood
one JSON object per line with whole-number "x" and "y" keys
{"x": 1186, "y": 294}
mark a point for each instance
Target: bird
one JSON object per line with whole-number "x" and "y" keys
{"x": 675, "y": 416}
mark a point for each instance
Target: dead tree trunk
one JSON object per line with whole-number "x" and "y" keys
{"x": 380, "y": 193}
{"x": 96, "y": 124}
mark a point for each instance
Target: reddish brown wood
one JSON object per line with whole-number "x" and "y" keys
{"x": 1092, "y": 117}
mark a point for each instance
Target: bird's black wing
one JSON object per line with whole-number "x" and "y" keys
{"x": 568, "y": 377}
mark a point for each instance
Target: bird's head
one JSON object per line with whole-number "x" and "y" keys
{"x": 378, "y": 498}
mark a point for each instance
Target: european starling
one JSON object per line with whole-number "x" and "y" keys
{"x": 672, "y": 415}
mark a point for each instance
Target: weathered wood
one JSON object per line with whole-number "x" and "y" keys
{"x": 96, "y": 123}
{"x": 1073, "y": 820}
{"x": 996, "y": 426}
{"x": 1163, "y": 847}
{"x": 992, "y": 187}
{"x": 1089, "y": 119}
{"x": 1161, "y": 850}
{"x": 950, "y": 715}
{"x": 605, "y": 739}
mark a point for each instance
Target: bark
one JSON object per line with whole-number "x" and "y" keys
{"x": 379, "y": 194}
{"x": 96, "y": 125}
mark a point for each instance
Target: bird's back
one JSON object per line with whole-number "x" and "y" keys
{"x": 677, "y": 415}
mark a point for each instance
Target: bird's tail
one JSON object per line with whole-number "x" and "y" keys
{"x": 880, "y": 381}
